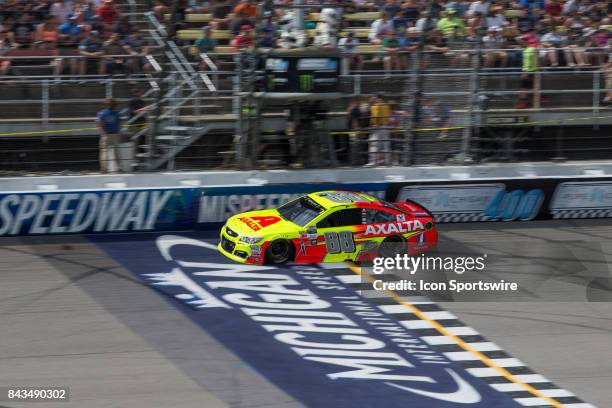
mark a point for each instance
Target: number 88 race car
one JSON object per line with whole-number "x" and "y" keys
{"x": 328, "y": 226}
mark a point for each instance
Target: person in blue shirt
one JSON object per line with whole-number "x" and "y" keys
{"x": 70, "y": 31}
{"x": 108, "y": 122}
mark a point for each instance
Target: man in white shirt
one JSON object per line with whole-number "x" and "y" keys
{"x": 479, "y": 6}
{"x": 379, "y": 28}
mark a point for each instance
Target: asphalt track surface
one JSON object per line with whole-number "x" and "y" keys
{"x": 71, "y": 315}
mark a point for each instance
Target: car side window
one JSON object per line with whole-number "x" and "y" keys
{"x": 342, "y": 218}
{"x": 374, "y": 216}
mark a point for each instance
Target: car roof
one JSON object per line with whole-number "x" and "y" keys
{"x": 336, "y": 198}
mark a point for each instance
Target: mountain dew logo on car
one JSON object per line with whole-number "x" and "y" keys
{"x": 306, "y": 82}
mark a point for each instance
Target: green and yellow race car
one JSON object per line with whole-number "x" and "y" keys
{"x": 328, "y": 226}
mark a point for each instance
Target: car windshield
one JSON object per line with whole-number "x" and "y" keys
{"x": 300, "y": 211}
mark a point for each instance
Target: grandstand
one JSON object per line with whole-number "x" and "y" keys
{"x": 456, "y": 75}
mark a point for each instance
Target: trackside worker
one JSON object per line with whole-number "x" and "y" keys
{"x": 380, "y": 143}
{"x": 109, "y": 123}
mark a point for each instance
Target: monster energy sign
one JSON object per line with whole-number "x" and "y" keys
{"x": 311, "y": 73}
{"x": 306, "y": 82}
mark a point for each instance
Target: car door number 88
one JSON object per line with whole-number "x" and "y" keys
{"x": 337, "y": 242}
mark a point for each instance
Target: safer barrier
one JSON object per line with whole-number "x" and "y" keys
{"x": 206, "y": 208}
{"x": 510, "y": 199}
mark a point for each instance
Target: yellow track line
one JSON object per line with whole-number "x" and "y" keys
{"x": 417, "y": 312}
{"x": 541, "y": 122}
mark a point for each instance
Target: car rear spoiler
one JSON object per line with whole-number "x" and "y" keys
{"x": 414, "y": 208}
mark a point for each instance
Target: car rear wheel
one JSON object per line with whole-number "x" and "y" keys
{"x": 279, "y": 251}
{"x": 392, "y": 246}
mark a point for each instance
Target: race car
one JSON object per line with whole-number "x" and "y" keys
{"x": 328, "y": 226}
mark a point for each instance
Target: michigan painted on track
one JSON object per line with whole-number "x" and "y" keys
{"x": 319, "y": 334}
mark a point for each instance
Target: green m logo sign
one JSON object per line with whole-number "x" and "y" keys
{"x": 306, "y": 82}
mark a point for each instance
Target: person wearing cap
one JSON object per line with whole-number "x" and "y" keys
{"x": 244, "y": 39}
{"x": 108, "y": 121}
{"x": 90, "y": 49}
{"x": 451, "y": 24}
{"x": 70, "y": 32}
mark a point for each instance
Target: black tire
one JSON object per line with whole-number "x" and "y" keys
{"x": 279, "y": 252}
{"x": 392, "y": 246}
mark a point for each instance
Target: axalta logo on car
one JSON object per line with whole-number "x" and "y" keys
{"x": 395, "y": 228}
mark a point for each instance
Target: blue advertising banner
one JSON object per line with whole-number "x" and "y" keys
{"x": 63, "y": 212}
{"x": 302, "y": 328}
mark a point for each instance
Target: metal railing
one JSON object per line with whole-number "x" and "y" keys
{"x": 476, "y": 101}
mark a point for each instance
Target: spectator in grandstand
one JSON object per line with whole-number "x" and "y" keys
{"x": 480, "y": 7}
{"x": 522, "y": 22}
{"x": 379, "y": 143}
{"x": 24, "y": 31}
{"x": 206, "y": 43}
{"x": 575, "y": 52}
{"x": 109, "y": 13}
{"x": 108, "y": 122}
{"x": 244, "y": 39}
{"x": 85, "y": 10}
{"x": 460, "y": 6}
{"x": 607, "y": 70}
{"x": 599, "y": 40}
{"x": 408, "y": 15}
{"x": 136, "y": 46}
{"x": 7, "y": 39}
{"x": 160, "y": 8}
{"x": 267, "y": 34}
{"x": 123, "y": 27}
{"x": 61, "y": 9}
{"x": 245, "y": 13}
{"x": 458, "y": 45}
{"x": 496, "y": 18}
{"x": 91, "y": 51}
{"x": 379, "y": 27}
{"x": 221, "y": 11}
{"x": 391, "y": 53}
{"x": 554, "y": 9}
{"x": 348, "y": 45}
{"x": 70, "y": 32}
{"x": 47, "y": 32}
{"x": 113, "y": 49}
{"x": 551, "y": 42}
{"x": 451, "y": 24}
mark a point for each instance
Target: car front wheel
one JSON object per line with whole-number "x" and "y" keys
{"x": 279, "y": 251}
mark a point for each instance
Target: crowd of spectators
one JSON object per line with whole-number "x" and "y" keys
{"x": 566, "y": 32}
{"x": 75, "y": 37}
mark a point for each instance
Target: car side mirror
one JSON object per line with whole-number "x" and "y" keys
{"x": 312, "y": 229}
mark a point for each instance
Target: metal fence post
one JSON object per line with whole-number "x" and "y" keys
{"x": 596, "y": 97}
{"x": 237, "y": 110}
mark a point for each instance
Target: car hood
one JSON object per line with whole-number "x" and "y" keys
{"x": 260, "y": 223}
